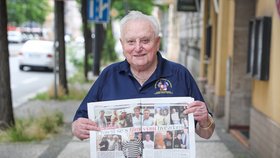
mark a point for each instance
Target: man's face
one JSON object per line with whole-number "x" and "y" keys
{"x": 147, "y": 136}
{"x": 179, "y": 136}
{"x": 146, "y": 114}
{"x": 102, "y": 113}
{"x": 124, "y": 114}
{"x": 140, "y": 136}
{"x": 110, "y": 137}
{"x": 139, "y": 44}
{"x": 168, "y": 136}
{"x": 136, "y": 112}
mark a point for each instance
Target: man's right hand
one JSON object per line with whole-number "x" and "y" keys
{"x": 82, "y": 126}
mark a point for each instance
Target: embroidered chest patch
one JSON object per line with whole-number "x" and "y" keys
{"x": 163, "y": 86}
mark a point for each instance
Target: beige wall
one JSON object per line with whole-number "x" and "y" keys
{"x": 173, "y": 38}
{"x": 212, "y": 60}
{"x": 266, "y": 94}
{"x": 202, "y": 64}
{"x": 231, "y": 27}
{"x": 222, "y": 47}
{"x": 221, "y": 43}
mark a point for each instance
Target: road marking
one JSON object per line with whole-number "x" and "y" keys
{"x": 30, "y": 80}
{"x": 13, "y": 86}
{"x": 22, "y": 100}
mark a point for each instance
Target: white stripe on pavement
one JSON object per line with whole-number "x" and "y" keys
{"x": 13, "y": 86}
{"x": 24, "y": 99}
{"x": 30, "y": 80}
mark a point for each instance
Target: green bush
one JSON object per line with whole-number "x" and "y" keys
{"x": 78, "y": 77}
{"x": 74, "y": 94}
{"x": 17, "y": 133}
{"x": 33, "y": 129}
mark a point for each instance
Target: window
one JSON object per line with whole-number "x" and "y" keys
{"x": 188, "y": 5}
{"x": 208, "y": 41}
{"x": 259, "y": 48}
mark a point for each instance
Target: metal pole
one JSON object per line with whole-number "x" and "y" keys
{"x": 55, "y": 45}
{"x": 55, "y": 49}
{"x": 99, "y": 40}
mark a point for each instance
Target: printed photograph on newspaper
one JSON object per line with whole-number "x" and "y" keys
{"x": 142, "y": 128}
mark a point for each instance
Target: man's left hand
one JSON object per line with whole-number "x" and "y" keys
{"x": 200, "y": 112}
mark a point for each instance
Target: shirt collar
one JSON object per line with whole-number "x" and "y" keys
{"x": 161, "y": 71}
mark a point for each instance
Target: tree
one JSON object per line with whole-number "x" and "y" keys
{"x": 59, "y": 37}
{"x": 87, "y": 37}
{"x": 109, "y": 53}
{"x": 20, "y": 11}
{"x": 6, "y": 107}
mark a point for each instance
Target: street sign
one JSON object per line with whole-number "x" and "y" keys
{"x": 98, "y": 11}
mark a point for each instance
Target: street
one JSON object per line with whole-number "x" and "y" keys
{"x": 25, "y": 84}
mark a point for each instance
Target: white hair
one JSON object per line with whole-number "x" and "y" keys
{"x": 137, "y": 15}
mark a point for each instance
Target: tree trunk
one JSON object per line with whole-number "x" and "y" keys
{"x": 6, "y": 107}
{"x": 60, "y": 32}
{"x": 87, "y": 37}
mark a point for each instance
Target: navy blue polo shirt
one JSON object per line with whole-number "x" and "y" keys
{"x": 117, "y": 82}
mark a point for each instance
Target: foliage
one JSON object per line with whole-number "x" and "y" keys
{"x": 33, "y": 129}
{"x": 163, "y": 7}
{"x": 57, "y": 118}
{"x": 74, "y": 94}
{"x": 78, "y": 77}
{"x": 20, "y": 11}
{"x": 108, "y": 51}
{"x": 145, "y": 6}
{"x": 73, "y": 55}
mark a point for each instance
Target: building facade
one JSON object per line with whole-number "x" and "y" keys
{"x": 232, "y": 47}
{"x": 237, "y": 53}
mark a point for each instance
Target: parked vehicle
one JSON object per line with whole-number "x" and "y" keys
{"x": 15, "y": 36}
{"x": 37, "y": 54}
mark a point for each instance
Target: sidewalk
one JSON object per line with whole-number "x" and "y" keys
{"x": 64, "y": 145}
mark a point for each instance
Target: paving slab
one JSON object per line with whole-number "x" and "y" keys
{"x": 22, "y": 150}
{"x": 76, "y": 149}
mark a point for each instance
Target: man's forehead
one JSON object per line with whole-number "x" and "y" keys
{"x": 137, "y": 22}
{"x": 135, "y": 27}
{"x": 135, "y": 37}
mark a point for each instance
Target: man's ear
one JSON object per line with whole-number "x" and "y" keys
{"x": 158, "y": 42}
{"x": 121, "y": 41}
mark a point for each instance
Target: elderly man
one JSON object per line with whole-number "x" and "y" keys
{"x": 144, "y": 73}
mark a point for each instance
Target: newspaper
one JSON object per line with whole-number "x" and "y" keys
{"x": 142, "y": 128}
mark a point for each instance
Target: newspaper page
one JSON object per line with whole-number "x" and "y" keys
{"x": 142, "y": 128}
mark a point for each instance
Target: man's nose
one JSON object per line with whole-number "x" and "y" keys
{"x": 138, "y": 46}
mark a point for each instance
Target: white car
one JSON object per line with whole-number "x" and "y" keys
{"x": 37, "y": 54}
{"x": 15, "y": 37}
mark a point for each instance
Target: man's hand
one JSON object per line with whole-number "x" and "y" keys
{"x": 205, "y": 125}
{"x": 200, "y": 112}
{"x": 82, "y": 126}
